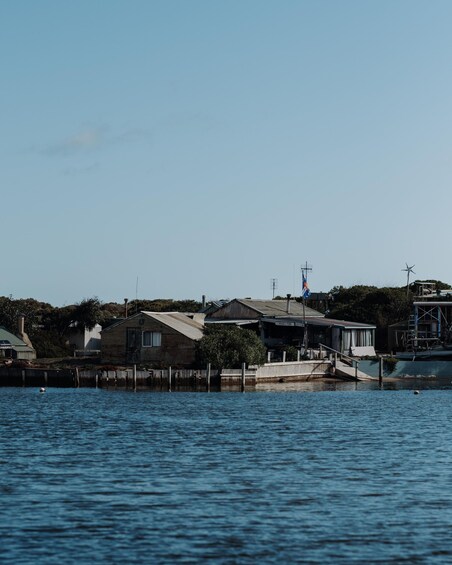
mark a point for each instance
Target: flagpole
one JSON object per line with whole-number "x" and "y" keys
{"x": 305, "y": 336}
{"x": 304, "y": 290}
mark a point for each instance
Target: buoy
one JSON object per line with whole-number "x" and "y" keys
{"x": 416, "y": 392}
{"x": 42, "y": 389}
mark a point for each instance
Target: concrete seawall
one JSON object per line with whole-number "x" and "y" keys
{"x": 278, "y": 372}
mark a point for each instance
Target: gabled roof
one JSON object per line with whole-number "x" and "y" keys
{"x": 275, "y": 307}
{"x": 213, "y": 306}
{"x": 178, "y": 321}
{"x": 16, "y": 342}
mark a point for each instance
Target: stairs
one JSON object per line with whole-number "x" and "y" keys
{"x": 345, "y": 371}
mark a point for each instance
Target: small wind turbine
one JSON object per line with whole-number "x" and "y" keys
{"x": 408, "y": 271}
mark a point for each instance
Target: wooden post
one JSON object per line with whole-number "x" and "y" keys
{"x": 243, "y": 376}
{"x": 298, "y": 355}
{"x": 380, "y": 371}
{"x": 208, "y": 377}
{"x": 356, "y": 370}
{"x": 320, "y": 352}
{"x": 77, "y": 378}
{"x": 284, "y": 355}
{"x": 269, "y": 356}
{"x": 169, "y": 378}
{"x": 97, "y": 379}
{"x": 335, "y": 359}
{"x": 134, "y": 377}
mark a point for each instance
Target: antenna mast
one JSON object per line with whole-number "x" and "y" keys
{"x": 273, "y": 286}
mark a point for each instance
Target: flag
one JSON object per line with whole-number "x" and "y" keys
{"x": 305, "y": 292}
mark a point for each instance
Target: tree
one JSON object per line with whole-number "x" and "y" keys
{"x": 230, "y": 346}
{"x": 371, "y": 305}
{"x": 164, "y": 305}
{"x": 87, "y": 313}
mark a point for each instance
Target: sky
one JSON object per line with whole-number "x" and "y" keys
{"x": 180, "y": 148}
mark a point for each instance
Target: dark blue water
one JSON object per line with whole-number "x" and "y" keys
{"x": 98, "y": 476}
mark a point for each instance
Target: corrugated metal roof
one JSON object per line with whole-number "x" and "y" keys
{"x": 315, "y": 321}
{"x": 16, "y": 342}
{"x": 278, "y": 307}
{"x": 246, "y": 322}
{"x": 341, "y": 323}
{"x": 179, "y": 322}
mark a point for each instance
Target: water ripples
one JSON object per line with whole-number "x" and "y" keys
{"x": 95, "y": 476}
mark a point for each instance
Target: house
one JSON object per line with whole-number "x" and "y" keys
{"x": 282, "y": 323}
{"x": 16, "y": 346}
{"x": 159, "y": 339}
{"x": 83, "y": 340}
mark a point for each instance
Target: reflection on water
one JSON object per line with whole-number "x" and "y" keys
{"x": 388, "y": 383}
{"x": 352, "y": 474}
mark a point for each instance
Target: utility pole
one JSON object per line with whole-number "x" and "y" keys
{"x": 305, "y": 292}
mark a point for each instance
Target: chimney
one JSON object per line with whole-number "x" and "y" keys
{"x": 21, "y": 331}
{"x": 21, "y": 325}
{"x": 126, "y": 300}
{"x": 203, "y": 301}
{"x": 288, "y": 303}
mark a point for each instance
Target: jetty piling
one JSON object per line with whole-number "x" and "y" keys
{"x": 380, "y": 370}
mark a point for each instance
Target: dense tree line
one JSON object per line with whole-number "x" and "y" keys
{"x": 48, "y": 327}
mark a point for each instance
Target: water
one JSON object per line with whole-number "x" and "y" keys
{"x": 104, "y": 476}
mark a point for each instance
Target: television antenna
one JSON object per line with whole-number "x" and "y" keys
{"x": 273, "y": 285}
{"x": 305, "y": 269}
{"x": 408, "y": 271}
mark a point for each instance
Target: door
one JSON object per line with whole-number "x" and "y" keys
{"x": 133, "y": 345}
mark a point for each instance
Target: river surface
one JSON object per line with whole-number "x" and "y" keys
{"x": 115, "y": 476}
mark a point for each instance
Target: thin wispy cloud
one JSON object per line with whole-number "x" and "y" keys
{"x": 85, "y": 140}
{"x": 131, "y": 135}
{"x": 91, "y": 139}
{"x": 75, "y": 171}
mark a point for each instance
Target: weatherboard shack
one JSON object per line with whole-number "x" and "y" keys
{"x": 158, "y": 339}
{"x": 282, "y": 323}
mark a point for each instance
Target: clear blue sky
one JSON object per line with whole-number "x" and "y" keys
{"x": 206, "y": 146}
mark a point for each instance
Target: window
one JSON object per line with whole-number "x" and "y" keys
{"x": 152, "y": 339}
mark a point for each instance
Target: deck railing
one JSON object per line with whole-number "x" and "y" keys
{"x": 339, "y": 355}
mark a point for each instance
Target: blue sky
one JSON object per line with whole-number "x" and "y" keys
{"x": 206, "y": 147}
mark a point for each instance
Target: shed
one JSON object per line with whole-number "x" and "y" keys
{"x": 83, "y": 340}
